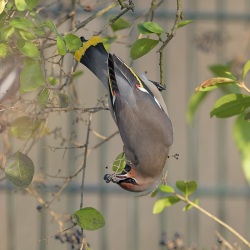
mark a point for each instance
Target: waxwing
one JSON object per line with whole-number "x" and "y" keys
{"x": 140, "y": 113}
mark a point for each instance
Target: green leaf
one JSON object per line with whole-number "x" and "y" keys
{"x": 21, "y": 23}
{"x": 52, "y": 81}
{"x": 21, "y": 5}
{"x": 25, "y": 127}
{"x": 107, "y": 41}
{"x": 149, "y": 28}
{"x": 26, "y": 35}
{"x": 19, "y": 169}
{"x": 2, "y": 6}
{"x": 194, "y": 102}
{"x": 64, "y": 100}
{"x": 73, "y": 42}
{"x": 166, "y": 189}
{"x": 164, "y": 202}
{"x": 214, "y": 83}
{"x": 245, "y": 70}
{"x": 141, "y": 47}
{"x": 3, "y": 50}
{"x": 6, "y": 32}
{"x": 89, "y": 218}
{"x": 77, "y": 73}
{"x": 43, "y": 97}
{"x": 241, "y": 135}
{"x": 184, "y": 23}
{"x": 61, "y": 46}
{"x": 189, "y": 206}
{"x": 220, "y": 70}
{"x": 120, "y": 24}
{"x": 31, "y": 76}
{"x": 50, "y": 25}
{"x": 32, "y": 3}
{"x": 119, "y": 163}
{"x": 230, "y": 105}
{"x": 187, "y": 187}
{"x": 28, "y": 48}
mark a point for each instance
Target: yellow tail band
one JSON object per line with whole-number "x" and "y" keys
{"x": 93, "y": 41}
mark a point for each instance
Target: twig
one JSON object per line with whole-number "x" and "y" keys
{"x": 232, "y": 230}
{"x": 127, "y": 7}
{"x": 224, "y": 241}
{"x": 99, "y": 13}
{"x": 84, "y": 245}
{"x": 102, "y": 142}
{"x": 33, "y": 192}
{"x": 85, "y": 158}
{"x": 170, "y": 35}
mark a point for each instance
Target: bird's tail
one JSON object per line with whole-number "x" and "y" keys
{"x": 93, "y": 55}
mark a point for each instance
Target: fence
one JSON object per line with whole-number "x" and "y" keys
{"x": 208, "y": 155}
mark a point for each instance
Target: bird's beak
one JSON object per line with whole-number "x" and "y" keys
{"x": 115, "y": 178}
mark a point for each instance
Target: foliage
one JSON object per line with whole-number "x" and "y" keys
{"x": 231, "y": 103}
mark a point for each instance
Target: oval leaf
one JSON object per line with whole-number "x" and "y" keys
{"x": 213, "y": 83}
{"x": 165, "y": 202}
{"x": 187, "y": 187}
{"x": 64, "y": 100}
{"x": 19, "y": 169}
{"x": 61, "y": 46}
{"x": 73, "y": 42}
{"x": 119, "y": 163}
{"x": 245, "y": 70}
{"x": 89, "y": 218}
{"x": 141, "y": 47}
{"x": 2, "y": 6}
{"x": 24, "y": 127}
{"x": 193, "y": 104}
{"x": 241, "y": 135}
{"x": 28, "y": 48}
{"x": 31, "y": 76}
{"x": 21, "y": 5}
{"x": 184, "y": 23}
{"x": 230, "y": 105}
{"x": 120, "y": 24}
{"x": 166, "y": 189}
{"x": 149, "y": 28}
{"x": 21, "y": 23}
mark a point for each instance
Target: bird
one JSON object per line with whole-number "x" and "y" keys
{"x": 139, "y": 112}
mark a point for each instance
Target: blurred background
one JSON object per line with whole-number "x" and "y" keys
{"x": 208, "y": 155}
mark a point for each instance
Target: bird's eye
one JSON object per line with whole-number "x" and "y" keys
{"x": 132, "y": 181}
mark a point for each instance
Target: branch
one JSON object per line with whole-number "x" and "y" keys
{"x": 232, "y": 230}
{"x": 127, "y": 7}
{"x": 170, "y": 36}
{"x": 99, "y": 13}
{"x": 85, "y": 158}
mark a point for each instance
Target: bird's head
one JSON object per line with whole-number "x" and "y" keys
{"x": 131, "y": 179}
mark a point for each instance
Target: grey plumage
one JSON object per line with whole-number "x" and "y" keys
{"x": 140, "y": 114}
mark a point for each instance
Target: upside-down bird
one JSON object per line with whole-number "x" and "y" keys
{"x": 140, "y": 113}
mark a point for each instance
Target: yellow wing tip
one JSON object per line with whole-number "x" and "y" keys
{"x": 93, "y": 41}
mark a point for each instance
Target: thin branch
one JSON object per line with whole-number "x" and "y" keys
{"x": 98, "y": 14}
{"x": 224, "y": 241}
{"x": 34, "y": 193}
{"x": 127, "y": 7}
{"x": 85, "y": 158}
{"x": 102, "y": 142}
{"x": 232, "y": 230}
{"x": 170, "y": 36}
